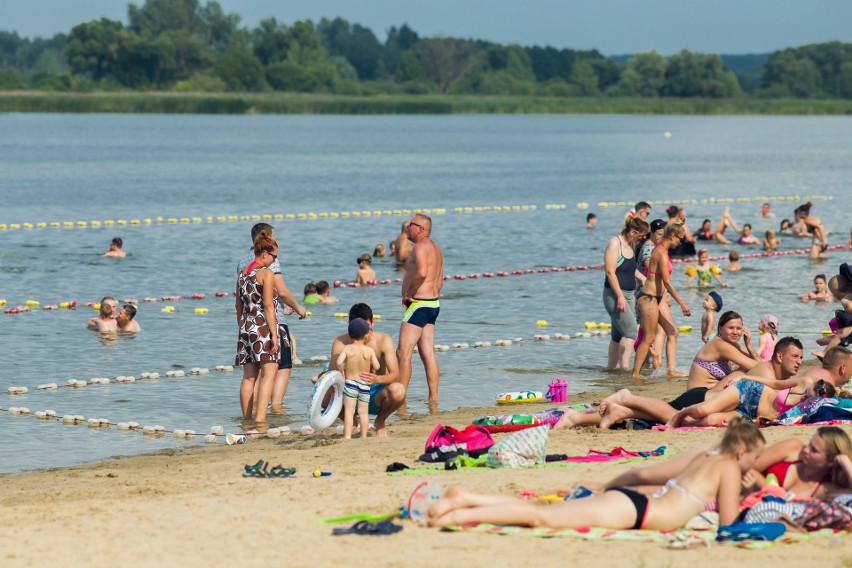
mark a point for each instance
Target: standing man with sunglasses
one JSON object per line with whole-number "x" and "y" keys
{"x": 284, "y": 297}
{"x": 421, "y": 290}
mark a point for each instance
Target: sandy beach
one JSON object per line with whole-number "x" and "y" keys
{"x": 194, "y": 508}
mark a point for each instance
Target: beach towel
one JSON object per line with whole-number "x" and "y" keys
{"x": 681, "y": 538}
{"x": 593, "y": 456}
{"x": 473, "y": 439}
{"x": 515, "y": 422}
{"x": 812, "y": 411}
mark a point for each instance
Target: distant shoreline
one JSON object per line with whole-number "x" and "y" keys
{"x": 244, "y": 103}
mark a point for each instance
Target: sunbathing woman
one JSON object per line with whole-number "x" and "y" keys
{"x": 710, "y": 481}
{"x": 713, "y": 362}
{"x": 651, "y": 301}
{"x": 821, "y": 468}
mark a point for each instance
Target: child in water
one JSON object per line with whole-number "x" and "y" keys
{"x": 311, "y": 296}
{"x": 324, "y": 293}
{"x": 820, "y": 292}
{"x": 366, "y": 275}
{"x": 734, "y": 262}
{"x": 355, "y": 359}
{"x": 770, "y": 243}
{"x": 712, "y": 304}
{"x": 768, "y": 328}
{"x": 704, "y": 271}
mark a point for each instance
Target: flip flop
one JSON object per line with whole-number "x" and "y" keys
{"x": 382, "y": 528}
{"x": 396, "y": 466}
{"x": 374, "y": 518}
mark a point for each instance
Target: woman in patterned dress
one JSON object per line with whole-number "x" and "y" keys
{"x": 257, "y": 345}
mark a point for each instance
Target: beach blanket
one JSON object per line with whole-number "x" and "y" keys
{"x": 681, "y": 538}
{"x": 617, "y": 454}
{"x": 815, "y": 410}
{"x": 514, "y": 422}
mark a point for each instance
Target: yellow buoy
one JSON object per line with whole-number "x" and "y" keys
{"x": 201, "y": 310}
{"x": 32, "y": 303}
{"x": 685, "y": 328}
{"x": 667, "y": 134}
{"x": 340, "y": 315}
{"x": 541, "y": 323}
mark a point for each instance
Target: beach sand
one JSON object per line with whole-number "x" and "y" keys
{"x": 192, "y": 507}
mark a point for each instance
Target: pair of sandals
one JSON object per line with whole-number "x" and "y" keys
{"x": 261, "y": 469}
{"x": 381, "y": 528}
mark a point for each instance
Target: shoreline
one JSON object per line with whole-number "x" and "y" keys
{"x": 166, "y": 102}
{"x": 193, "y": 505}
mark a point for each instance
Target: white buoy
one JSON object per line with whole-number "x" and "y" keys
{"x": 210, "y": 439}
{"x": 217, "y": 430}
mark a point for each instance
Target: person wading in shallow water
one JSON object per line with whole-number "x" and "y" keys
{"x": 421, "y": 290}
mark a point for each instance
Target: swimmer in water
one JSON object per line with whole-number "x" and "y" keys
{"x": 820, "y": 292}
{"x": 379, "y": 251}
{"x": 125, "y": 319}
{"x": 115, "y": 249}
{"x": 311, "y": 296}
{"x": 105, "y": 322}
{"x": 324, "y": 293}
{"x": 746, "y": 238}
{"x": 591, "y": 220}
{"x": 704, "y": 271}
{"x": 366, "y": 274}
{"x": 734, "y": 262}
{"x": 770, "y": 243}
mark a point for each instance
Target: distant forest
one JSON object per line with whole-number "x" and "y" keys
{"x": 187, "y": 46}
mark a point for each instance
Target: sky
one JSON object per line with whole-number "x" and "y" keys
{"x": 611, "y": 26}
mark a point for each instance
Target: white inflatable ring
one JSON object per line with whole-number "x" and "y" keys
{"x": 329, "y": 382}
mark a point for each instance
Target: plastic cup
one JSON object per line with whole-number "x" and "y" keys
{"x": 233, "y": 439}
{"x": 421, "y": 498}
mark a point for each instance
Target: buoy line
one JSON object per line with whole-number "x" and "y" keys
{"x": 310, "y": 215}
{"x": 152, "y": 431}
{"x": 31, "y": 304}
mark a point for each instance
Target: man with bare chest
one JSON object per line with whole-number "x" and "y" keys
{"x": 421, "y": 290}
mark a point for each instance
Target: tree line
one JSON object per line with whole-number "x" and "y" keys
{"x": 184, "y": 45}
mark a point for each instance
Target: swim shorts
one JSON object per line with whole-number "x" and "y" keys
{"x": 374, "y": 392}
{"x": 422, "y": 312}
{"x": 750, "y": 392}
{"x": 285, "y": 350}
{"x": 357, "y": 389}
{"x": 623, "y": 323}
{"x": 690, "y": 397}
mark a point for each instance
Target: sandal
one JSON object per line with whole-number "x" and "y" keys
{"x": 257, "y": 470}
{"x": 382, "y": 528}
{"x": 281, "y": 471}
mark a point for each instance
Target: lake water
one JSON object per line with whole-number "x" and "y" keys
{"x": 70, "y": 168}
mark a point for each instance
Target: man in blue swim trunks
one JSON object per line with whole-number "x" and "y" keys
{"x": 386, "y": 392}
{"x": 421, "y": 289}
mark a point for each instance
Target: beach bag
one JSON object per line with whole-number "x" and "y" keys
{"x": 521, "y": 449}
{"x": 558, "y": 390}
{"x": 473, "y": 439}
